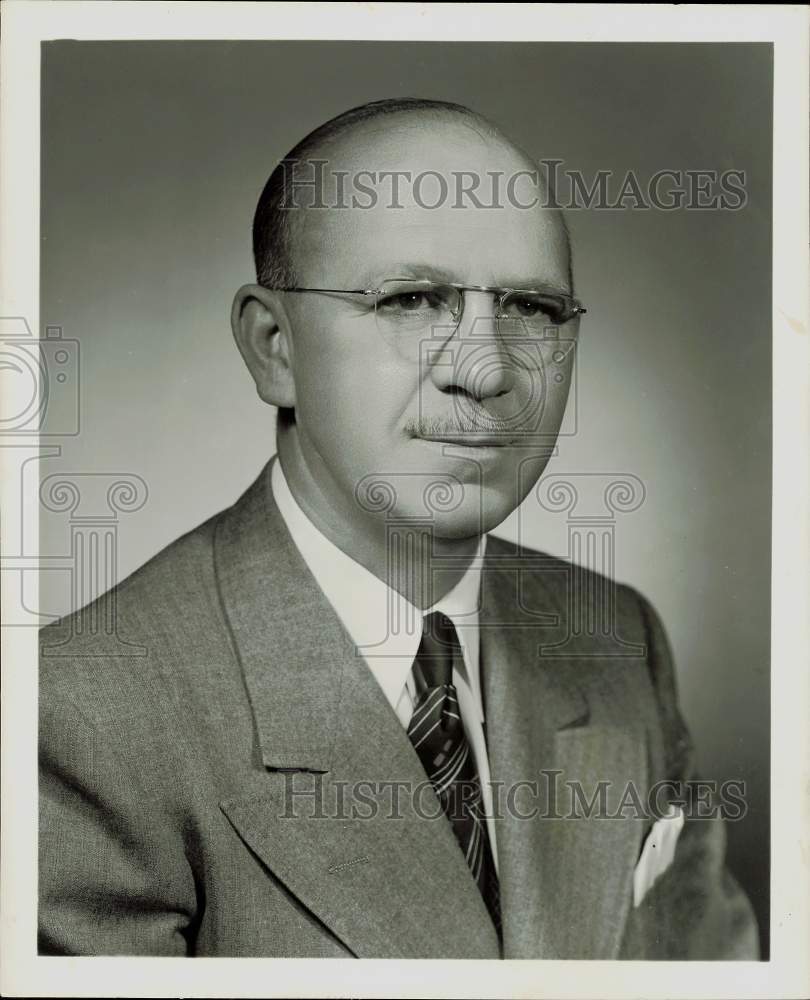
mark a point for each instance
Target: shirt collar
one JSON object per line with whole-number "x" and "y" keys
{"x": 385, "y": 627}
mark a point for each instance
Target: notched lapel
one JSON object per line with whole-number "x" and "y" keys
{"x": 566, "y": 883}
{"x": 366, "y": 846}
{"x": 385, "y": 887}
{"x": 387, "y": 882}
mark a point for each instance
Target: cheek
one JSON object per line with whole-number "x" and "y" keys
{"x": 537, "y": 400}
{"x": 351, "y": 393}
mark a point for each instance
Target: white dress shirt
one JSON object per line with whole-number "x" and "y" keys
{"x": 368, "y": 608}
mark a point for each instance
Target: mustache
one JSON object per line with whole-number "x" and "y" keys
{"x": 457, "y": 426}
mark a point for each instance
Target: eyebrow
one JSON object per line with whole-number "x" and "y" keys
{"x": 433, "y": 273}
{"x": 400, "y": 269}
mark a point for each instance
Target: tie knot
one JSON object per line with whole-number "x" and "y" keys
{"x": 437, "y": 650}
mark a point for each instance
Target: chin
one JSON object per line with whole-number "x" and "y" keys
{"x": 450, "y": 502}
{"x": 480, "y": 511}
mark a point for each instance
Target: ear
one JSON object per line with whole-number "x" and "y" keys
{"x": 262, "y": 333}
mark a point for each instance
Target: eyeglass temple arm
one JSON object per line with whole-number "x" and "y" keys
{"x": 339, "y": 291}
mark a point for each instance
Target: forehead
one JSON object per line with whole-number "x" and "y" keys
{"x": 437, "y": 192}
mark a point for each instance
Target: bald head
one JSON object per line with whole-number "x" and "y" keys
{"x": 392, "y": 166}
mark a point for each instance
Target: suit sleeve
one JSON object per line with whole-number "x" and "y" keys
{"x": 112, "y": 879}
{"x": 696, "y": 910}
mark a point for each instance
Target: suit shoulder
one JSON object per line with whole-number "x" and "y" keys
{"x": 187, "y": 557}
{"x": 546, "y": 578}
{"x": 601, "y": 625}
{"x": 114, "y": 647}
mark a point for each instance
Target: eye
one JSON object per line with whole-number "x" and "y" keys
{"x": 526, "y": 305}
{"x": 536, "y": 306}
{"x": 410, "y": 302}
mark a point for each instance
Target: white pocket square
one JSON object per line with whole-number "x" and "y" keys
{"x": 657, "y": 853}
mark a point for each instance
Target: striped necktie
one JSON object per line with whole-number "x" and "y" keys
{"x": 438, "y": 736}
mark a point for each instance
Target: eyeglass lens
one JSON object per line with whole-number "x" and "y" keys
{"x": 408, "y": 311}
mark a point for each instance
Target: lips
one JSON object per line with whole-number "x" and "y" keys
{"x": 468, "y": 440}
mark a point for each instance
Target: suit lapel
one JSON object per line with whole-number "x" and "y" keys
{"x": 565, "y": 883}
{"x": 338, "y": 806}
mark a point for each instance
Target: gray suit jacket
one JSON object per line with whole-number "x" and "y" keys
{"x": 200, "y": 796}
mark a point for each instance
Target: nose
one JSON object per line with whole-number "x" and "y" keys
{"x": 474, "y": 360}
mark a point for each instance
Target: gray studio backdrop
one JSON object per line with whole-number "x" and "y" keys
{"x": 153, "y": 155}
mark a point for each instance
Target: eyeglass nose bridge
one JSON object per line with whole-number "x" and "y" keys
{"x": 459, "y": 293}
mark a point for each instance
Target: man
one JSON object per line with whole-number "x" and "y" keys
{"x": 361, "y": 726}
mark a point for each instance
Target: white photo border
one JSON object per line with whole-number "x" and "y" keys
{"x": 787, "y": 973}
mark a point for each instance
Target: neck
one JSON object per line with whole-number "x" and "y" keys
{"x": 413, "y": 561}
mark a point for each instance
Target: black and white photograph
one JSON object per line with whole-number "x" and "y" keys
{"x": 399, "y": 527}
